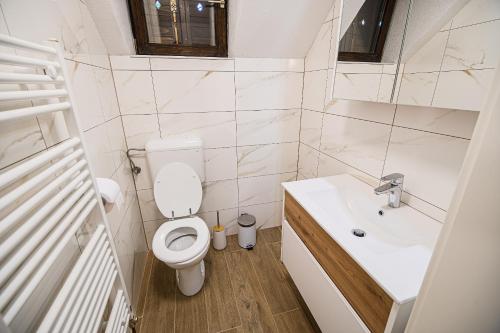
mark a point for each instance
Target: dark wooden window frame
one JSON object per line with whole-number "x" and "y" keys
{"x": 387, "y": 10}
{"x": 140, "y": 30}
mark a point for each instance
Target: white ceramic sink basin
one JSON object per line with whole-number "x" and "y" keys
{"x": 398, "y": 242}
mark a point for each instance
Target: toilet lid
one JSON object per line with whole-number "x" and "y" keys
{"x": 177, "y": 189}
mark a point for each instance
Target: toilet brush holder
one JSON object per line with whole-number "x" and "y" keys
{"x": 219, "y": 241}
{"x": 219, "y": 236}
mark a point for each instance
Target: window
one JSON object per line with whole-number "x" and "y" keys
{"x": 180, "y": 27}
{"x": 364, "y": 39}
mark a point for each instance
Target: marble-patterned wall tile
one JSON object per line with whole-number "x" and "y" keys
{"x": 150, "y": 228}
{"x": 193, "y": 91}
{"x": 267, "y": 126}
{"x": 100, "y": 153}
{"x": 310, "y": 128}
{"x": 417, "y": 88}
{"x": 477, "y": 11}
{"x": 261, "y": 160}
{"x": 308, "y": 162}
{"x": 107, "y": 93}
{"x": 227, "y": 218}
{"x": 97, "y": 51}
{"x": 53, "y": 127}
{"x": 386, "y": 87}
{"x": 379, "y": 112}
{"x": 20, "y": 138}
{"x": 262, "y": 189}
{"x": 147, "y": 203}
{"x": 191, "y": 64}
{"x": 135, "y": 92}
{"x": 314, "y": 90}
{"x": 359, "y": 68}
{"x": 220, "y": 164}
{"x": 219, "y": 195}
{"x": 116, "y": 138}
{"x": 429, "y": 57}
{"x": 269, "y": 65}
{"x": 332, "y": 58}
{"x": 216, "y": 129}
{"x": 267, "y": 215}
{"x": 361, "y": 87}
{"x": 361, "y": 144}
{"x": 472, "y": 47}
{"x": 329, "y": 166}
{"x": 317, "y": 57}
{"x": 86, "y": 93}
{"x": 429, "y": 174}
{"x": 129, "y": 63}
{"x": 469, "y": 89}
{"x": 268, "y": 90}
{"x": 438, "y": 120}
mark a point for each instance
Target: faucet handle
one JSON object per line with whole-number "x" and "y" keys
{"x": 394, "y": 178}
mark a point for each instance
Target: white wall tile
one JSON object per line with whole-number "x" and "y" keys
{"x": 100, "y": 153}
{"x": 310, "y": 128}
{"x": 314, "y": 90}
{"x": 269, "y": 65}
{"x": 268, "y": 90}
{"x": 317, "y": 57}
{"x": 139, "y": 129}
{"x": 429, "y": 173}
{"x": 429, "y": 57}
{"x": 329, "y": 166}
{"x": 227, "y": 218}
{"x": 216, "y": 129}
{"x": 107, "y": 94}
{"x": 267, "y": 159}
{"x": 267, "y": 215}
{"x": 135, "y": 92}
{"x": 308, "y": 162}
{"x": 473, "y": 47}
{"x": 20, "y": 139}
{"x": 359, "y": 68}
{"x": 191, "y": 64}
{"x": 379, "y": 112}
{"x": 417, "y": 88}
{"x": 262, "y": 189}
{"x": 219, "y": 195}
{"x": 363, "y": 87}
{"x": 267, "y": 126}
{"x": 98, "y": 54}
{"x": 332, "y": 59}
{"x": 477, "y": 11}
{"x": 469, "y": 89}
{"x": 193, "y": 91}
{"x": 129, "y": 63}
{"x": 147, "y": 203}
{"x": 438, "y": 120}
{"x": 116, "y": 138}
{"x": 385, "y": 88}
{"x": 359, "y": 143}
{"x": 220, "y": 164}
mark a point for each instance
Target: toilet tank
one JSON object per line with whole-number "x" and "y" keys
{"x": 162, "y": 151}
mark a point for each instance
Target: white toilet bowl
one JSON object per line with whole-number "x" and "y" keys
{"x": 182, "y": 244}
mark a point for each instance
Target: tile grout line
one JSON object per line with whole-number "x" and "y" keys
{"x": 441, "y": 64}
{"x": 300, "y": 119}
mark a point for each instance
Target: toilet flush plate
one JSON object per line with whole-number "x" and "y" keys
{"x": 177, "y": 190}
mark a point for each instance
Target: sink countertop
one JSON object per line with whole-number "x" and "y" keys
{"x": 398, "y": 244}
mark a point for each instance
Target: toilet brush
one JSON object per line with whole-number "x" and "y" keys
{"x": 219, "y": 234}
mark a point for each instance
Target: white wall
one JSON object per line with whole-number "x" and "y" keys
{"x": 70, "y": 22}
{"x": 369, "y": 140}
{"x": 246, "y": 111}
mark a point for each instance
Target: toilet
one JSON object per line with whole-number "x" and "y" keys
{"x": 177, "y": 171}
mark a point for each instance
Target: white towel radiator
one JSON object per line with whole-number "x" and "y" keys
{"x": 44, "y": 202}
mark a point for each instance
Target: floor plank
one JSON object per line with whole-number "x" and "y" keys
{"x": 293, "y": 321}
{"x": 191, "y": 313}
{"x": 270, "y": 235}
{"x": 221, "y": 306}
{"x": 276, "y": 249}
{"x": 232, "y": 244}
{"x": 159, "y": 306}
{"x": 255, "y": 313}
{"x": 273, "y": 280}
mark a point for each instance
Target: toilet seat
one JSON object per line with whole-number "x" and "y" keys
{"x": 199, "y": 246}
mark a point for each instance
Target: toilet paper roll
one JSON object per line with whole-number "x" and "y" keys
{"x": 110, "y": 191}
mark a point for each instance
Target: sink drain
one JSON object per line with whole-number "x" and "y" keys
{"x": 358, "y": 232}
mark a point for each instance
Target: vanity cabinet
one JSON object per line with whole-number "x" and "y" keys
{"x": 341, "y": 296}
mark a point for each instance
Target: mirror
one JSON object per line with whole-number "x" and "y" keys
{"x": 369, "y": 48}
{"x": 450, "y": 54}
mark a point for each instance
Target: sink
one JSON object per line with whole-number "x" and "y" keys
{"x": 397, "y": 243}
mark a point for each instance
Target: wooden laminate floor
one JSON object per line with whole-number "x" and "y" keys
{"x": 244, "y": 291}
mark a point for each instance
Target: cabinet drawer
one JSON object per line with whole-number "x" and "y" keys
{"x": 330, "y": 309}
{"x": 371, "y": 303}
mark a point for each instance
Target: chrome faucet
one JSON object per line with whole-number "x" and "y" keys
{"x": 394, "y": 187}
